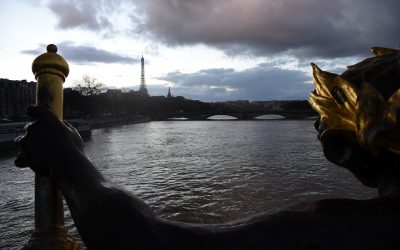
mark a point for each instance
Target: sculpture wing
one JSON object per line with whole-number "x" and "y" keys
{"x": 335, "y": 99}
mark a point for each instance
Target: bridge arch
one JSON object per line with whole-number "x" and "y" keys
{"x": 269, "y": 117}
{"x": 222, "y": 117}
{"x": 176, "y": 118}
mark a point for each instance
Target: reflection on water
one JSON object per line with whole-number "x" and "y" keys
{"x": 204, "y": 171}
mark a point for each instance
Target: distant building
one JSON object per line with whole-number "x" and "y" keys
{"x": 169, "y": 93}
{"x": 14, "y": 97}
{"x": 143, "y": 88}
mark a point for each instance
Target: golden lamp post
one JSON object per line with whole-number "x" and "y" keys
{"x": 50, "y": 71}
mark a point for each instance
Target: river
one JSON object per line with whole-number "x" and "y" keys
{"x": 195, "y": 171}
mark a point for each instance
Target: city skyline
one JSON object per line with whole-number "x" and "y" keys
{"x": 205, "y": 50}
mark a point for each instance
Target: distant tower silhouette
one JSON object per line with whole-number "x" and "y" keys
{"x": 143, "y": 89}
{"x": 169, "y": 93}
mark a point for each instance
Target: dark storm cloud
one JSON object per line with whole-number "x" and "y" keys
{"x": 307, "y": 28}
{"x": 83, "y": 14}
{"x": 263, "y": 82}
{"x": 85, "y": 54}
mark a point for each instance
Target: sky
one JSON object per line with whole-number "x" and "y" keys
{"x": 208, "y": 50}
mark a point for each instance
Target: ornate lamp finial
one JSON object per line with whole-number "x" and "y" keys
{"x": 50, "y": 62}
{"x": 52, "y": 48}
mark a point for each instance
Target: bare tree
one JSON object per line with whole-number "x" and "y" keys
{"x": 88, "y": 86}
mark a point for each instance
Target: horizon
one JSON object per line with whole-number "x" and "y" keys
{"x": 204, "y": 50}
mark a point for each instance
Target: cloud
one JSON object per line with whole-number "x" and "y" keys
{"x": 307, "y": 28}
{"x": 80, "y": 14}
{"x": 263, "y": 82}
{"x": 85, "y": 54}
{"x": 330, "y": 33}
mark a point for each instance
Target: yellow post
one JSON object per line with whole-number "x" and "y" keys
{"x": 50, "y": 71}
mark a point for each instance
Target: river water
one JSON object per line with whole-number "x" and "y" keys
{"x": 195, "y": 171}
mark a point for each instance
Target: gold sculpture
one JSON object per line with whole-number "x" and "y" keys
{"x": 360, "y": 112}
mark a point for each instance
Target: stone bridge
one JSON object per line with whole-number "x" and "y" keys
{"x": 240, "y": 115}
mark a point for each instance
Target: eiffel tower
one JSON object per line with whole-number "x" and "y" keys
{"x": 143, "y": 89}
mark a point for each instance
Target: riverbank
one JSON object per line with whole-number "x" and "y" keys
{"x": 10, "y": 131}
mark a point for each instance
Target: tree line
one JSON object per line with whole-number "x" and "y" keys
{"x": 118, "y": 103}
{"x": 90, "y": 98}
